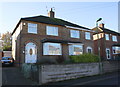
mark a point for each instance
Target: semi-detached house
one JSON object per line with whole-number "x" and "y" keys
{"x": 38, "y": 37}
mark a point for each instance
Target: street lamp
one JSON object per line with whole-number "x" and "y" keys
{"x": 100, "y": 66}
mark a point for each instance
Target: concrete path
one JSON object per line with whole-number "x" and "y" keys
{"x": 13, "y": 76}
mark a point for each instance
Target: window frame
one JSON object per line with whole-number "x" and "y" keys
{"x": 107, "y": 37}
{"x": 90, "y": 49}
{"x": 29, "y": 26}
{"x": 53, "y": 31}
{"x": 46, "y": 52}
{"x": 86, "y": 35}
{"x": 74, "y": 31}
{"x": 71, "y": 48}
{"x": 114, "y": 38}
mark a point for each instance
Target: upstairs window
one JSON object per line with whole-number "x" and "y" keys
{"x": 50, "y": 30}
{"x": 87, "y": 35}
{"x": 74, "y": 34}
{"x": 114, "y": 38}
{"x": 107, "y": 37}
{"x": 32, "y": 28}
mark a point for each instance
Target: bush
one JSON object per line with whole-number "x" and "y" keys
{"x": 84, "y": 58}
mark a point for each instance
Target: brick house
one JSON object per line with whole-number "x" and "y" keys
{"x": 39, "y": 37}
{"x": 108, "y": 41}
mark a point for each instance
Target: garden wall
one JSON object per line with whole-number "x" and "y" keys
{"x": 53, "y": 73}
{"x": 110, "y": 66}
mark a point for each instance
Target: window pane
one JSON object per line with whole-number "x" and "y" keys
{"x": 74, "y": 34}
{"x": 32, "y": 28}
{"x": 116, "y": 50}
{"x": 52, "y": 49}
{"x": 87, "y": 35}
{"x": 107, "y": 36}
{"x": 75, "y": 49}
{"x": 114, "y": 38}
{"x": 52, "y": 30}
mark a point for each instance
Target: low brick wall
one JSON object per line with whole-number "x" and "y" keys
{"x": 53, "y": 73}
{"x": 110, "y": 66}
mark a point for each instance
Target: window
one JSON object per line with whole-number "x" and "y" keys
{"x": 89, "y": 49}
{"x": 74, "y": 34}
{"x": 75, "y": 49}
{"x": 32, "y": 28}
{"x": 114, "y": 38}
{"x": 52, "y": 49}
{"x": 107, "y": 36}
{"x": 87, "y": 35}
{"x": 52, "y": 30}
{"x": 116, "y": 50}
{"x": 108, "y": 53}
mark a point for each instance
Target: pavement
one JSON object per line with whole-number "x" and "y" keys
{"x": 12, "y": 76}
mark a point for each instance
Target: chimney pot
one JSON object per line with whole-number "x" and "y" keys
{"x": 51, "y": 13}
{"x": 102, "y": 25}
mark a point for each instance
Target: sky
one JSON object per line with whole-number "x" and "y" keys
{"x": 81, "y": 13}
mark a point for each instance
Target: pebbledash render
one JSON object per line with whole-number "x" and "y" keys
{"x": 38, "y": 37}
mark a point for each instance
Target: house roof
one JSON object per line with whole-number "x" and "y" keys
{"x": 105, "y": 30}
{"x": 49, "y": 20}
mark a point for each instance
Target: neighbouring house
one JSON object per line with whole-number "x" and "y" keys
{"x": 40, "y": 37}
{"x": 107, "y": 41}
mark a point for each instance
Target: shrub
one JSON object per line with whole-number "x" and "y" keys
{"x": 84, "y": 58}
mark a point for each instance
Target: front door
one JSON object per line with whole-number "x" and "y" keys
{"x": 108, "y": 53}
{"x": 30, "y": 53}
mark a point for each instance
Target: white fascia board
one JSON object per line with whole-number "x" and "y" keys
{"x": 78, "y": 28}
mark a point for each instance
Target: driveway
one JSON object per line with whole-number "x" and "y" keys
{"x": 13, "y": 76}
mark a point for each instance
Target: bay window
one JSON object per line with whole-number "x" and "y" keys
{"x": 52, "y": 49}
{"x": 75, "y": 49}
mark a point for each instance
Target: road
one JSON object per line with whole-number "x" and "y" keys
{"x": 13, "y": 76}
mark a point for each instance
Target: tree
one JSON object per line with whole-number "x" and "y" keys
{"x": 6, "y": 41}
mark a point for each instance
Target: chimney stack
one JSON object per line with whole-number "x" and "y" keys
{"x": 101, "y": 25}
{"x": 51, "y": 14}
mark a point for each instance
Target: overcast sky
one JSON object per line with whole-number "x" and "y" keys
{"x": 82, "y": 13}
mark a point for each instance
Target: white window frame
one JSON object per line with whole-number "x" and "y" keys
{"x": 89, "y": 48}
{"x": 32, "y": 26}
{"x": 86, "y": 36}
{"x": 51, "y": 30}
{"x": 71, "y": 48}
{"x": 114, "y": 38}
{"x": 74, "y": 34}
{"x": 114, "y": 48}
{"x": 108, "y": 54}
{"x": 46, "y": 48}
{"x": 107, "y": 37}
